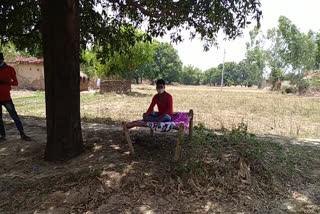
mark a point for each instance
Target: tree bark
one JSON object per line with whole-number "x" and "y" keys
{"x": 61, "y": 46}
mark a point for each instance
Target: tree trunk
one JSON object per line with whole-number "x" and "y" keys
{"x": 61, "y": 46}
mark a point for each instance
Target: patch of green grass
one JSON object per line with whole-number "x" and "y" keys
{"x": 315, "y": 83}
{"x": 88, "y": 98}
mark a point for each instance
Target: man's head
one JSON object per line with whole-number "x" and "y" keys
{"x": 1, "y": 60}
{"x": 161, "y": 85}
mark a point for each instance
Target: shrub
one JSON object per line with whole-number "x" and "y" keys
{"x": 302, "y": 86}
{"x": 289, "y": 90}
{"x": 226, "y": 160}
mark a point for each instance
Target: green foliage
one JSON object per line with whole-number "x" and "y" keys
{"x": 275, "y": 76}
{"x": 207, "y": 146}
{"x": 230, "y": 73}
{"x": 143, "y": 60}
{"x": 20, "y": 21}
{"x": 112, "y": 24}
{"x": 211, "y": 76}
{"x": 165, "y": 64}
{"x": 299, "y": 82}
{"x": 248, "y": 145}
{"x": 88, "y": 62}
{"x": 123, "y": 65}
{"x": 192, "y": 160}
{"x": 302, "y": 85}
{"x": 275, "y": 61}
{"x": 190, "y": 75}
{"x": 314, "y": 83}
{"x": 317, "y": 51}
{"x": 229, "y": 160}
{"x": 141, "y": 54}
{"x": 234, "y": 74}
{"x": 256, "y": 57}
{"x": 235, "y": 160}
{"x": 248, "y": 72}
{"x": 291, "y": 50}
{"x": 9, "y": 51}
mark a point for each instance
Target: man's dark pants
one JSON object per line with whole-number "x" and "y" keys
{"x": 12, "y": 111}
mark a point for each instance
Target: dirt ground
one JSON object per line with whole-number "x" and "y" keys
{"x": 106, "y": 179}
{"x": 22, "y": 93}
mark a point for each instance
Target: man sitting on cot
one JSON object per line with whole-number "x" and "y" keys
{"x": 165, "y": 105}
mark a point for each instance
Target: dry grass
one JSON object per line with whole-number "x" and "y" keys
{"x": 225, "y": 172}
{"x": 263, "y": 111}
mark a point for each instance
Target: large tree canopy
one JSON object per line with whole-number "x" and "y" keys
{"x": 62, "y": 27}
{"x": 112, "y": 23}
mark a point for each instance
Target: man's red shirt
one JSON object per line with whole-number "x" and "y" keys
{"x": 165, "y": 105}
{"x": 7, "y": 73}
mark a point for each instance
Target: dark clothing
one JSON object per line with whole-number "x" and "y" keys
{"x": 12, "y": 111}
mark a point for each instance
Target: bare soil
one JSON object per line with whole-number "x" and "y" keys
{"x": 106, "y": 179}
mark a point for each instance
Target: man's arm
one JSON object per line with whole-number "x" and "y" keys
{"x": 13, "y": 80}
{"x": 150, "y": 109}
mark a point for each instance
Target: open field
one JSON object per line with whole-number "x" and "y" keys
{"x": 264, "y": 112}
{"x": 218, "y": 172}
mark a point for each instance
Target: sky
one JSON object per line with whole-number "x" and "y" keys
{"x": 303, "y": 13}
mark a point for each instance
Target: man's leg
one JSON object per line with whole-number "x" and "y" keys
{"x": 12, "y": 111}
{"x": 151, "y": 116}
{"x": 2, "y": 129}
{"x": 165, "y": 118}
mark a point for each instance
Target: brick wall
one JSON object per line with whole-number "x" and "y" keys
{"x": 84, "y": 84}
{"x": 93, "y": 83}
{"x": 118, "y": 86}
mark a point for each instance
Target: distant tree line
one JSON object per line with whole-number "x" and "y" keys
{"x": 283, "y": 53}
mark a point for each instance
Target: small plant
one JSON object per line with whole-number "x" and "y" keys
{"x": 247, "y": 144}
{"x": 303, "y": 86}
{"x": 289, "y": 90}
{"x": 226, "y": 155}
{"x": 192, "y": 160}
{"x": 315, "y": 83}
{"x": 300, "y": 83}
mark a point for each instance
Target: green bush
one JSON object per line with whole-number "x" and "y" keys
{"x": 314, "y": 83}
{"x": 300, "y": 83}
{"x": 235, "y": 160}
{"x": 303, "y": 86}
{"x": 228, "y": 158}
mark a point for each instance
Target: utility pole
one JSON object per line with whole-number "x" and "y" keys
{"x": 224, "y": 56}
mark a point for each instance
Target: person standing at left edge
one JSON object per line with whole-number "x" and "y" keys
{"x": 7, "y": 79}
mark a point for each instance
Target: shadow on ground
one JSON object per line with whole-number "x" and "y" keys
{"x": 106, "y": 179}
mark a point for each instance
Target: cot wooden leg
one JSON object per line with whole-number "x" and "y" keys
{"x": 126, "y": 132}
{"x": 191, "y": 125}
{"x": 151, "y": 132}
{"x": 178, "y": 145}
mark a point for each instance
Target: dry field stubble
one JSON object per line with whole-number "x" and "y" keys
{"x": 264, "y": 112}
